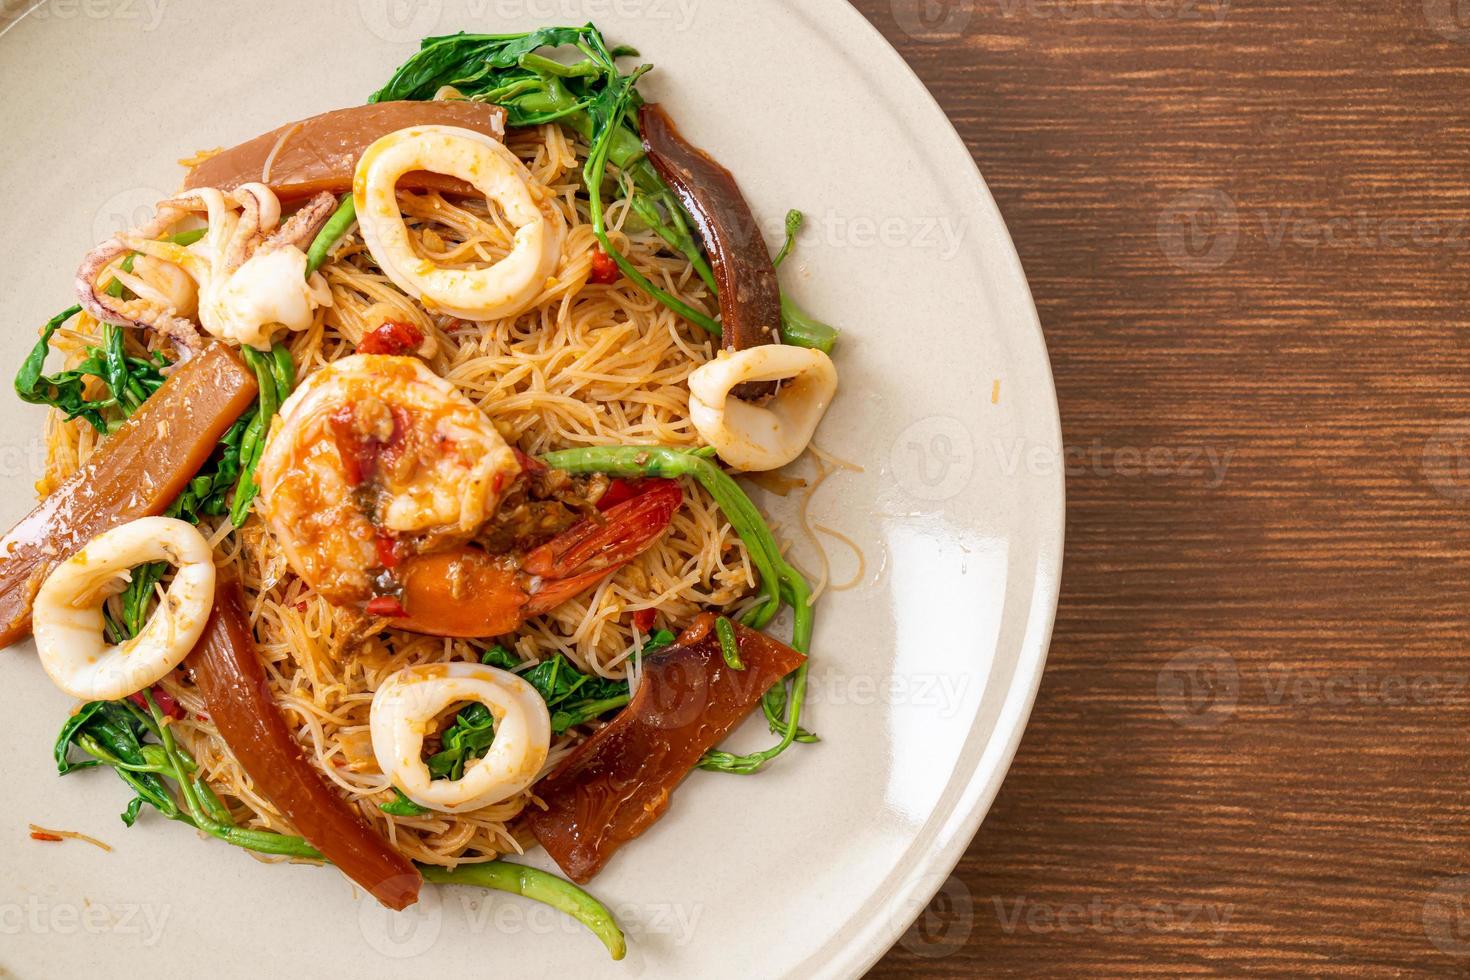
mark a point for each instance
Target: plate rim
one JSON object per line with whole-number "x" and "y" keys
{"x": 862, "y": 951}
{"x": 850, "y": 31}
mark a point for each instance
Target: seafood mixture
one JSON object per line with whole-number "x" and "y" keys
{"x": 391, "y": 517}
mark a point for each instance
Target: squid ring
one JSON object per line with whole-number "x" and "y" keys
{"x": 762, "y": 437}
{"x": 408, "y": 701}
{"x": 504, "y": 289}
{"x": 67, "y": 618}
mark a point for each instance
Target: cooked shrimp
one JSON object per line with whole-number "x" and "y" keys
{"x": 502, "y": 289}
{"x": 408, "y": 702}
{"x": 372, "y": 460}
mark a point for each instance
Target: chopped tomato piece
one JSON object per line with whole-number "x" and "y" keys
{"x": 605, "y": 271}
{"x": 165, "y": 700}
{"x": 385, "y": 605}
{"x": 643, "y": 620}
{"x": 620, "y": 490}
{"x": 387, "y": 550}
{"x": 391, "y": 337}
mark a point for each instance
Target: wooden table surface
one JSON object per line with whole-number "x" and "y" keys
{"x": 1247, "y": 229}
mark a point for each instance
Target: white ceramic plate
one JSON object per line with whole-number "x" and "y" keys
{"x": 923, "y": 674}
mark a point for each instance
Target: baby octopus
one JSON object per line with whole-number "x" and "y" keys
{"x": 246, "y": 276}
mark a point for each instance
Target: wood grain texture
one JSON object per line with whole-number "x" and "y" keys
{"x": 1246, "y": 230}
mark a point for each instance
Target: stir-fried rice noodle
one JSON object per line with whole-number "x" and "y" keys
{"x": 586, "y": 365}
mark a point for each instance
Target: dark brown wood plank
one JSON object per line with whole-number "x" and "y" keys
{"x": 1245, "y": 226}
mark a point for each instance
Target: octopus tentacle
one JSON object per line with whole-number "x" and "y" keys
{"x": 302, "y": 226}
{"x": 110, "y": 309}
{"x": 259, "y": 209}
{"x": 242, "y": 224}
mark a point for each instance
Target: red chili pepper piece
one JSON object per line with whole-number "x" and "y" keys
{"x": 643, "y": 620}
{"x": 529, "y": 464}
{"x": 605, "y": 271}
{"x": 385, "y": 605}
{"x": 42, "y": 835}
{"x": 387, "y": 551}
{"x": 620, "y": 490}
{"x": 392, "y": 337}
{"x": 165, "y": 701}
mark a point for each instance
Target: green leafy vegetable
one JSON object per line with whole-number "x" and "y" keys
{"x": 595, "y": 100}
{"x": 499, "y": 656}
{"x": 467, "y": 739}
{"x": 139, "y": 747}
{"x": 780, "y": 583}
{"x": 128, "y": 380}
{"x": 574, "y": 698}
{"x": 402, "y": 806}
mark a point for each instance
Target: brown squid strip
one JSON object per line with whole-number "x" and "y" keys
{"x": 618, "y": 782}
{"x": 138, "y": 471}
{"x": 320, "y": 153}
{"x": 227, "y": 670}
{"x": 750, "y": 296}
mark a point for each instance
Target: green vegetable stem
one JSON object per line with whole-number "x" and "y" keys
{"x": 137, "y": 744}
{"x": 593, "y": 99}
{"x": 780, "y": 583}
